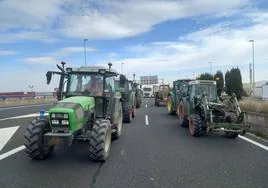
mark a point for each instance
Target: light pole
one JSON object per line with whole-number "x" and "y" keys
{"x": 31, "y": 87}
{"x": 122, "y": 67}
{"x": 253, "y": 63}
{"x": 85, "y": 52}
{"x": 210, "y": 68}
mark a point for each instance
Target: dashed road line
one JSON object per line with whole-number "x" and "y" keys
{"x": 146, "y": 120}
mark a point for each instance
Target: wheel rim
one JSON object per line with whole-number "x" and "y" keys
{"x": 107, "y": 143}
{"x": 191, "y": 126}
{"x": 169, "y": 105}
{"x": 120, "y": 123}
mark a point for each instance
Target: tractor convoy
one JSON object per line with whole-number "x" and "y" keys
{"x": 94, "y": 102}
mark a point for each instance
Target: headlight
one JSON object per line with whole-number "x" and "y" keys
{"x": 55, "y": 122}
{"x": 65, "y": 122}
{"x": 53, "y": 115}
{"x": 66, "y": 116}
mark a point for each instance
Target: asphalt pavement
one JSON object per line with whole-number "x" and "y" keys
{"x": 155, "y": 153}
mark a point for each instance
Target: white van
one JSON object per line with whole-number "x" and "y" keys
{"x": 147, "y": 91}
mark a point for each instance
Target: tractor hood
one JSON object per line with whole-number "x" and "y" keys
{"x": 75, "y": 110}
{"x": 85, "y": 102}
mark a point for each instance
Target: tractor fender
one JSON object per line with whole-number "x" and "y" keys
{"x": 173, "y": 100}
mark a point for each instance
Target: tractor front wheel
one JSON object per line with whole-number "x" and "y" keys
{"x": 100, "y": 141}
{"x": 231, "y": 119}
{"x": 119, "y": 125}
{"x": 195, "y": 125}
{"x": 33, "y": 140}
{"x": 169, "y": 106}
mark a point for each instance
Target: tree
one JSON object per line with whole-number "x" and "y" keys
{"x": 227, "y": 82}
{"x": 205, "y": 76}
{"x": 233, "y": 82}
{"x": 220, "y": 82}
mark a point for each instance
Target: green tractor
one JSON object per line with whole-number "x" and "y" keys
{"x": 203, "y": 112}
{"x": 88, "y": 109}
{"x": 161, "y": 96}
{"x": 128, "y": 98}
{"x": 175, "y": 95}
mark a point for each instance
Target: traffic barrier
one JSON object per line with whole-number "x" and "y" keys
{"x": 258, "y": 123}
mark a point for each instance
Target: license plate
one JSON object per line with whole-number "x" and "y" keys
{"x": 55, "y": 141}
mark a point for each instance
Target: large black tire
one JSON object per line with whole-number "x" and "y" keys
{"x": 33, "y": 140}
{"x": 195, "y": 125}
{"x": 127, "y": 116}
{"x": 231, "y": 119}
{"x": 183, "y": 121}
{"x": 119, "y": 125}
{"x": 138, "y": 105}
{"x": 100, "y": 141}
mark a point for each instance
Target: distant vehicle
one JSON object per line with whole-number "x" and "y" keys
{"x": 147, "y": 90}
{"x": 179, "y": 89}
{"x": 161, "y": 96}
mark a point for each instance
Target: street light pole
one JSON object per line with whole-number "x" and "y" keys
{"x": 85, "y": 52}
{"x": 253, "y": 64}
{"x": 210, "y": 68}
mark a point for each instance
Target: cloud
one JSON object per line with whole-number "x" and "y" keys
{"x": 26, "y": 36}
{"x": 7, "y": 52}
{"x": 223, "y": 45}
{"x": 28, "y": 14}
{"x": 74, "y": 49}
{"x": 41, "y": 60}
{"x": 99, "y": 19}
{"x": 118, "y": 19}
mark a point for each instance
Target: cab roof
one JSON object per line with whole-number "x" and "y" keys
{"x": 202, "y": 82}
{"x": 95, "y": 69}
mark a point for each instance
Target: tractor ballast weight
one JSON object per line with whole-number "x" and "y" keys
{"x": 203, "y": 112}
{"x": 88, "y": 110}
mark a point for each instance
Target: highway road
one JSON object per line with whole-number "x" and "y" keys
{"x": 154, "y": 151}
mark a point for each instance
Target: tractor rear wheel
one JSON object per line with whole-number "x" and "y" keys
{"x": 195, "y": 125}
{"x": 119, "y": 125}
{"x": 127, "y": 114}
{"x": 183, "y": 121}
{"x": 231, "y": 119}
{"x": 100, "y": 141}
{"x": 33, "y": 140}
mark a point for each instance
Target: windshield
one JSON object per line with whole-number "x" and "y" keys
{"x": 208, "y": 89}
{"x": 164, "y": 88}
{"x": 91, "y": 84}
{"x": 147, "y": 89}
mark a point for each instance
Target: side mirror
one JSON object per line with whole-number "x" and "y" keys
{"x": 49, "y": 76}
{"x": 122, "y": 81}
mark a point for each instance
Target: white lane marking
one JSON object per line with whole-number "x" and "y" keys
{"x": 146, "y": 120}
{"x": 254, "y": 142}
{"x": 146, "y": 105}
{"x": 6, "y": 134}
{"x": 23, "y": 116}
{"x": 14, "y": 107}
{"x": 11, "y": 152}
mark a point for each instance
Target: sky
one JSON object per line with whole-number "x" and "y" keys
{"x": 173, "y": 39}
